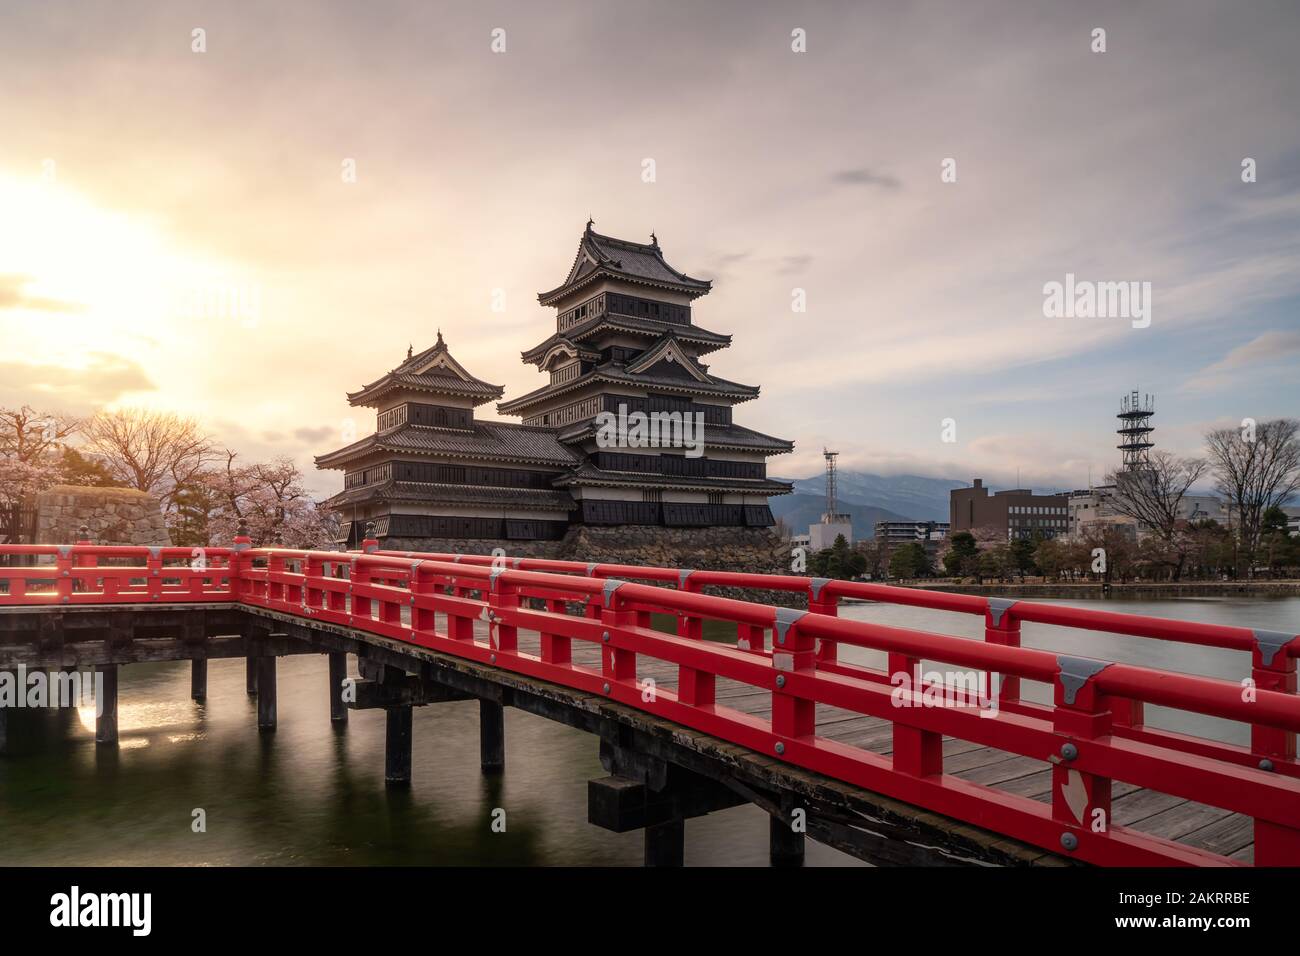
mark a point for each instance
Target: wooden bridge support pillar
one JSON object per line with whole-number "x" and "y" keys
{"x": 266, "y": 709}
{"x": 646, "y": 792}
{"x": 199, "y": 679}
{"x": 665, "y": 843}
{"x": 106, "y": 705}
{"x": 250, "y": 675}
{"x": 492, "y": 736}
{"x": 397, "y": 746}
{"x": 338, "y": 674}
{"x": 785, "y": 846}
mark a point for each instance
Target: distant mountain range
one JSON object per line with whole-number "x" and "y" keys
{"x": 867, "y": 498}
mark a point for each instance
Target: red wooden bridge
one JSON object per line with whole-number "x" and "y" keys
{"x": 1083, "y": 778}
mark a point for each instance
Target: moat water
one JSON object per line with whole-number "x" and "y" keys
{"x": 311, "y": 794}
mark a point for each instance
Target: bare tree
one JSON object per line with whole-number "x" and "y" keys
{"x": 269, "y": 496}
{"x": 1153, "y": 496}
{"x": 1256, "y": 468}
{"x": 156, "y": 452}
{"x": 28, "y": 436}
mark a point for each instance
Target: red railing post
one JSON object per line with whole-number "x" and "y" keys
{"x": 1080, "y": 800}
{"x": 557, "y": 648}
{"x": 313, "y": 569}
{"x": 86, "y": 561}
{"x": 695, "y": 688}
{"x": 793, "y": 652}
{"x": 688, "y": 625}
{"x": 819, "y": 602}
{"x": 275, "y": 568}
{"x": 154, "y": 567}
{"x": 239, "y": 561}
{"x": 1001, "y": 626}
{"x": 593, "y": 608}
{"x": 617, "y": 664}
{"x": 917, "y": 752}
{"x": 422, "y": 586}
{"x": 502, "y": 596}
{"x": 63, "y": 567}
{"x": 1272, "y": 668}
{"x": 359, "y": 605}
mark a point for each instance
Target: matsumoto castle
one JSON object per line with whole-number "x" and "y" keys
{"x": 631, "y": 428}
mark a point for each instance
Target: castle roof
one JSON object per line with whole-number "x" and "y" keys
{"x": 496, "y": 441}
{"x": 640, "y": 263}
{"x": 434, "y": 371}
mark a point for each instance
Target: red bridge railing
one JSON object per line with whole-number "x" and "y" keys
{"x": 1090, "y": 735}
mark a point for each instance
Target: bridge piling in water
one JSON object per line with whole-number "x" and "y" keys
{"x": 785, "y": 845}
{"x": 338, "y": 674}
{"x": 492, "y": 736}
{"x": 266, "y": 703}
{"x": 397, "y": 745}
{"x": 199, "y": 679}
{"x": 106, "y": 716}
{"x": 665, "y": 843}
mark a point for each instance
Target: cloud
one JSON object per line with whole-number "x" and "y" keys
{"x": 1264, "y": 350}
{"x": 866, "y": 177}
{"x": 12, "y": 296}
{"x": 104, "y": 379}
{"x": 314, "y": 436}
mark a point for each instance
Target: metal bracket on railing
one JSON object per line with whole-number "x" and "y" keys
{"x": 607, "y": 592}
{"x": 815, "y": 585}
{"x": 785, "y": 616}
{"x": 998, "y": 607}
{"x": 65, "y": 550}
{"x": 456, "y": 560}
{"x": 591, "y": 569}
{"x": 1077, "y": 671}
{"x": 682, "y": 575}
{"x": 1269, "y": 643}
{"x": 492, "y": 578}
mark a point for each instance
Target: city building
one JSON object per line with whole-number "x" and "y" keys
{"x": 1093, "y": 508}
{"x": 895, "y": 534}
{"x": 1014, "y": 513}
{"x": 905, "y": 532}
{"x": 631, "y": 428}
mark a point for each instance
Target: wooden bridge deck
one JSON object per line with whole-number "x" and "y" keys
{"x": 1173, "y": 818}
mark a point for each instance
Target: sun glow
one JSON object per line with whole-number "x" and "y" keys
{"x": 85, "y": 287}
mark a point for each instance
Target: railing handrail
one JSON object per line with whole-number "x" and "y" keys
{"x": 1225, "y": 636}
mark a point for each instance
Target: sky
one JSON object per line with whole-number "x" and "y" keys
{"x": 245, "y": 232}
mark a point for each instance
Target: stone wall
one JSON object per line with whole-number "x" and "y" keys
{"x": 114, "y": 516}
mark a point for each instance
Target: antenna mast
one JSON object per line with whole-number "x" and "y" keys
{"x": 1135, "y": 411}
{"x": 831, "y": 502}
